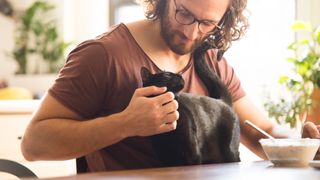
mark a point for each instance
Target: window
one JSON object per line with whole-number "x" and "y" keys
{"x": 259, "y": 59}
{"x": 83, "y": 19}
{"x": 125, "y": 11}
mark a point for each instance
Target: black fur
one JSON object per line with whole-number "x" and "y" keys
{"x": 207, "y": 131}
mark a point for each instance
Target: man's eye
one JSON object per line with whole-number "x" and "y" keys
{"x": 185, "y": 13}
{"x": 206, "y": 23}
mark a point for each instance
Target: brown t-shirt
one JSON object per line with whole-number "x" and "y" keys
{"x": 99, "y": 79}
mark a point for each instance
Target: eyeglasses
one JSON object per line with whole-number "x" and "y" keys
{"x": 184, "y": 17}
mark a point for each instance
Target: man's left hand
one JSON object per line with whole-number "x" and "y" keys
{"x": 310, "y": 130}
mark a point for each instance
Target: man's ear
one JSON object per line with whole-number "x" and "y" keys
{"x": 145, "y": 73}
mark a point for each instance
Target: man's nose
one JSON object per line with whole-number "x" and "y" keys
{"x": 191, "y": 31}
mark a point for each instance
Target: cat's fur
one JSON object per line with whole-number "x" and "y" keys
{"x": 207, "y": 131}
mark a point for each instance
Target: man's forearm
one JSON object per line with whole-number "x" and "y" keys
{"x": 61, "y": 139}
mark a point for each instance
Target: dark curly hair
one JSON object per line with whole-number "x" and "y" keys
{"x": 234, "y": 24}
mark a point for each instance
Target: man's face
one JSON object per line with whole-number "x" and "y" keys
{"x": 184, "y": 39}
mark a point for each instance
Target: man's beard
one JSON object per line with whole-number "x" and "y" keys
{"x": 168, "y": 34}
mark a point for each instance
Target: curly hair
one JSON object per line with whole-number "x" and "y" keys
{"x": 234, "y": 23}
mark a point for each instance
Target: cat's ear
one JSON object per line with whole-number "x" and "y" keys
{"x": 145, "y": 73}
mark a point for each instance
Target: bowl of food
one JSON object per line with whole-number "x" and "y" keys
{"x": 290, "y": 152}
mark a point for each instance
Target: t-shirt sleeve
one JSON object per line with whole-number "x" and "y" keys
{"x": 81, "y": 85}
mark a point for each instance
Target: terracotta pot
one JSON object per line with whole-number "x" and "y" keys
{"x": 314, "y": 115}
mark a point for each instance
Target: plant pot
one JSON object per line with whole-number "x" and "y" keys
{"x": 314, "y": 115}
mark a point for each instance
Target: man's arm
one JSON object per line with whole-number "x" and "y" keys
{"x": 57, "y": 133}
{"x": 246, "y": 110}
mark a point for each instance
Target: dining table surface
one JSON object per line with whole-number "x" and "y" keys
{"x": 257, "y": 170}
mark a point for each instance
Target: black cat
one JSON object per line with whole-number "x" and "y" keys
{"x": 208, "y": 130}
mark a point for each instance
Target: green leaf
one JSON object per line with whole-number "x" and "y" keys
{"x": 304, "y": 42}
{"x": 283, "y": 79}
{"x": 293, "y": 46}
{"x": 52, "y": 34}
{"x": 317, "y": 34}
{"x": 292, "y": 60}
{"x": 37, "y": 28}
{"x": 302, "y": 69}
{"x": 301, "y": 26}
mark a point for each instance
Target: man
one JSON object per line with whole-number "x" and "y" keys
{"x": 97, "y": 108}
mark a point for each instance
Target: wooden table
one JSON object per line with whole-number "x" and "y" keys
{"x": 253, "y": 170}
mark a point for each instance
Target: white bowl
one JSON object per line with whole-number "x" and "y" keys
{"x": 290, "y": 152}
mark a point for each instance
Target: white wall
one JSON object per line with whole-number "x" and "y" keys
{"x": 7, "y": 67}
{"x": 309, "y": 10}
{"x": 85, "y": 19}
{"x": 259, "y": 58}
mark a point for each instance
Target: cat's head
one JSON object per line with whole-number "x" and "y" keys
{"x": 174, "y": 82}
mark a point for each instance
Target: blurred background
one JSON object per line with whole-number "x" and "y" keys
{"x": 36, "y": 37}
{"x": 258, "y": 59}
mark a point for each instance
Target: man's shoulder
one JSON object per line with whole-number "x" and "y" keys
{"x": 111, "y": 41}
{"x": 113, "y": 32}
{"x": 116, "y": 35}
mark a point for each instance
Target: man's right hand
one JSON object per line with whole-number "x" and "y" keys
{"x": 147, "y": 116}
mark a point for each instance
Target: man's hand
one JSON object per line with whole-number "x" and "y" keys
{"x": 310, "y": 130}
{"x": 147, "y": 116}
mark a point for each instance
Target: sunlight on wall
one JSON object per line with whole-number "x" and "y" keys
{"x": 7, "y": 64}
{"x": 260, "y": 57}
{"x": 129, "y": 13}
{"x": 67, "y": 20}
{"x": 84, "y": 19}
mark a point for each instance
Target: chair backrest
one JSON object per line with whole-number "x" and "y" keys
{"x": 16, "y": 169}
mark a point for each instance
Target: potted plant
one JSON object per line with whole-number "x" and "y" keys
{"x": 37, "y": 35}
{"x": 302, "y": 100}
{"x": 38, "y": 48}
